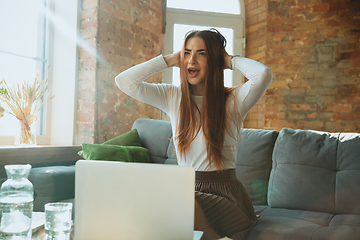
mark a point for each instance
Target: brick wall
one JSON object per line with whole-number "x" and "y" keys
{"x": 123, "y": 33}
{"x": 312, "y": 47}
{"x": 256, "y": 39}
{"x": 313, "y": 50}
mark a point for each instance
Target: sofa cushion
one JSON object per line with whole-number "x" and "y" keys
{"x": 156, "y": 136}
{"x": 130, "y": 138}
{"x": 303, "y": 174}
{"x": 285, "y": 224}
{"x": 278, "y": 223}
{"x": 253, "y": 163}
{"x": 115, "y": 153}
{"x": 52, "y": 184}
{"x": 347, "y": 195}
{"x": 171, "y": 155}
{"x": 315, "y": 171}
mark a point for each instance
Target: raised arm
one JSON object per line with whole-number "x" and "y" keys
{"x": 131, "y": 82}
{"x": 260, "y": 77}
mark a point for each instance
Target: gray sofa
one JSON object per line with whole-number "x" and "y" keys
{"x": 52, "y": 184}
{"x": 303, "y": 184}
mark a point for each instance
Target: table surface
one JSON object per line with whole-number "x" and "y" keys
{"x": 38, "y": 231}
{"x": 40, "y": 235}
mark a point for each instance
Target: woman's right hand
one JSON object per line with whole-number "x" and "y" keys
{"x": 173, "y": 60}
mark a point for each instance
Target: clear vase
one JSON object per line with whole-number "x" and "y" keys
{"x": 26, "y": 135}
{"x": 16, "y": 203}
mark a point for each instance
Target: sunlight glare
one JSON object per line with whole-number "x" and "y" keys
{"x": 61, "y": 26}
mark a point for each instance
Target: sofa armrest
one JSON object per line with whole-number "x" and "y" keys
{"x": 52, "y": 184}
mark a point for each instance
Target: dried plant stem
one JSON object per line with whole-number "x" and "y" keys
{"x": 23, "y": 103}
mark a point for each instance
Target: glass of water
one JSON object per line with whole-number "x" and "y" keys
{"x": 58, "y": 220}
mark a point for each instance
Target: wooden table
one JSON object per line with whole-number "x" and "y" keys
{"x": 40, "y": 235}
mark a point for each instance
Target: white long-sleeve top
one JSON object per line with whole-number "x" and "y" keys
{"x": 167, "y": 98}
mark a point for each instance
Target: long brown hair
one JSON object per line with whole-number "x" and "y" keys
{"x": 213, "y": 113}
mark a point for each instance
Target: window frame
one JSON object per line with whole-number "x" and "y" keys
{"x": 64, "y": 72}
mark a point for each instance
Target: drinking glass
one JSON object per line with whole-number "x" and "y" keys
{"x": 58, "y": 220}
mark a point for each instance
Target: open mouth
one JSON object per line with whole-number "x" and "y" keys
{"x": 193, "y": 72}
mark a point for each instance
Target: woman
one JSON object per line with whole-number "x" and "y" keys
{"x": 206, "y": 118}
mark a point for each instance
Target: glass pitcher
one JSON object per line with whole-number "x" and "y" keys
{"x": 16, "y": 203}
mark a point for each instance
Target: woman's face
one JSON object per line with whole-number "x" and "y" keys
{"x": 195, "y": 62}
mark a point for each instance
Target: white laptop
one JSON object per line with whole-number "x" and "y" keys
{"x": 134, "y": 201}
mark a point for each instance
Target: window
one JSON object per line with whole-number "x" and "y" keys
{"x": 40, "y": 36}
{"x": 186, "y": 15}
{"x": 22, "y": 51}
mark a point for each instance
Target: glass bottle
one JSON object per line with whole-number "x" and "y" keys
{"x": 16, "y": 203}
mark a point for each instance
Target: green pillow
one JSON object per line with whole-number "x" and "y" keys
{"x": 130, "y": 138}
{"x": 115, "y": 153}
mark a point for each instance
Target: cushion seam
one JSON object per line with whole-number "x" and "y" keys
{"x": 252, "y": 166}
{"x": 307, "y": 165}
{"x": 312, "y": 235}
{"x": 336, "y": 172}
{"x": 272, "y": 172}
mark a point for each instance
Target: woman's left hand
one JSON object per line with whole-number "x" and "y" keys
{"x": 227, "y": 60}
{"x": 173, "y": 60}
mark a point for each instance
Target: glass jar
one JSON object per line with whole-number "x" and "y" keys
{"x": 16, "y": 203}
